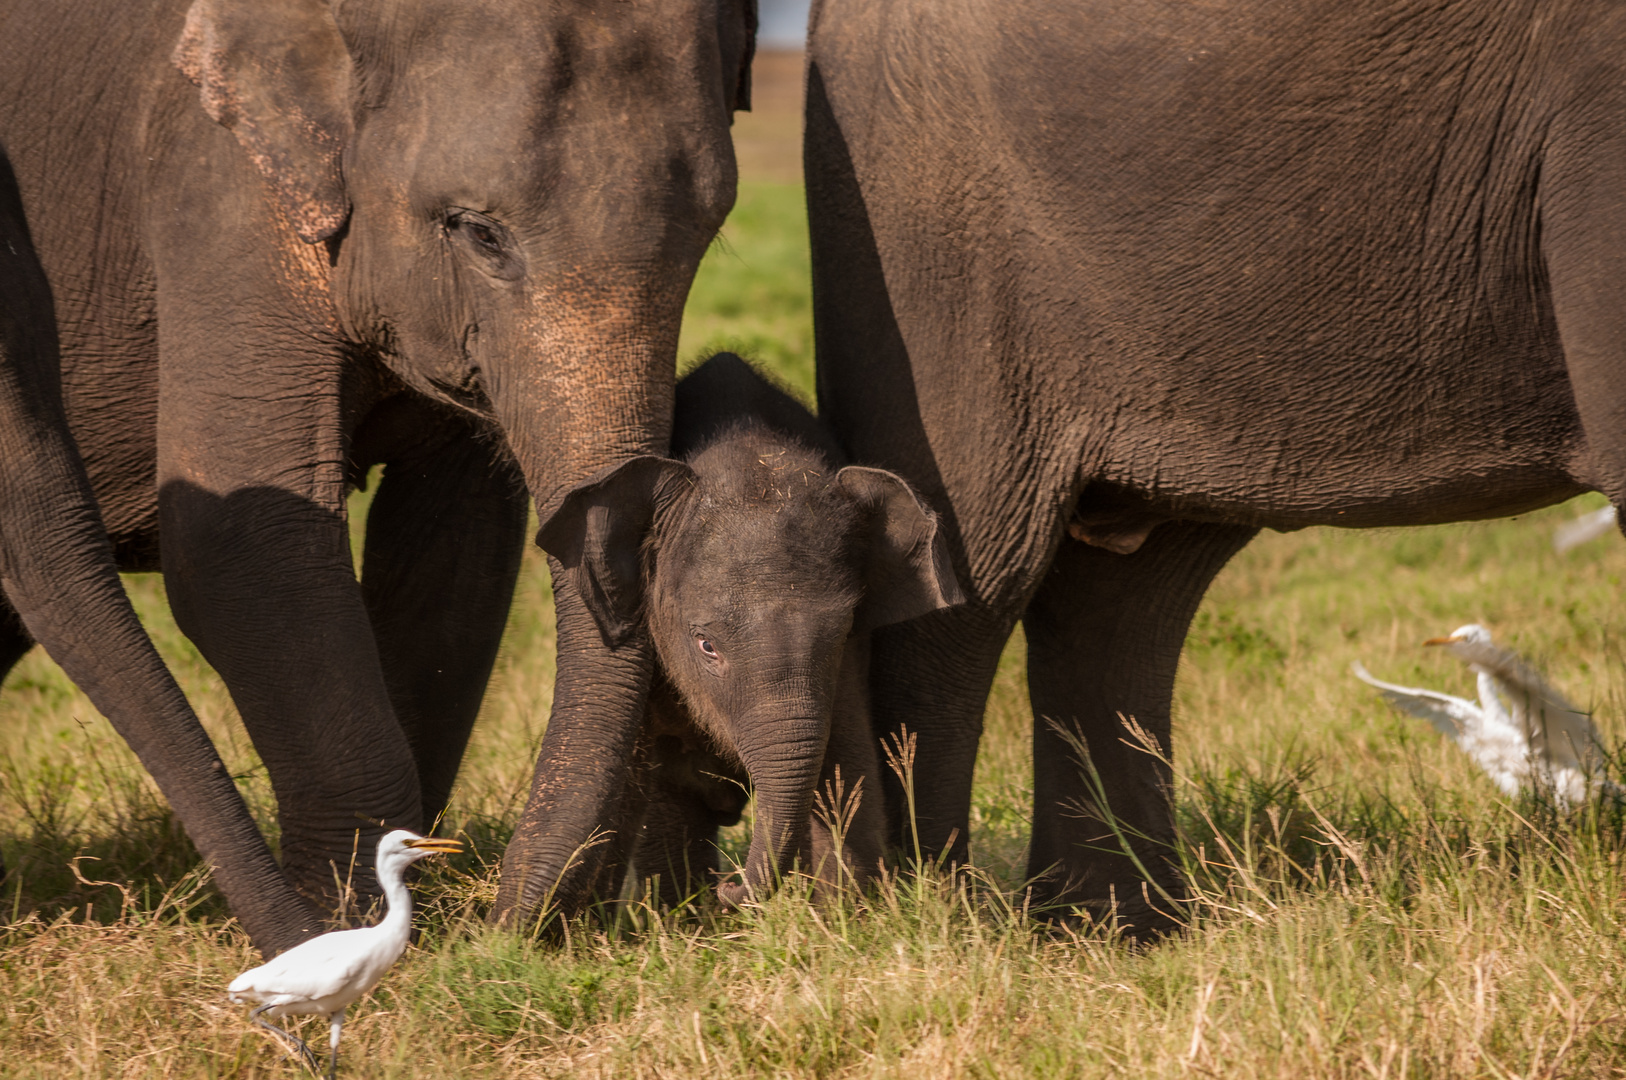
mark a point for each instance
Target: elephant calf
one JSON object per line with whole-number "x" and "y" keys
{"x": 766, "y": 569}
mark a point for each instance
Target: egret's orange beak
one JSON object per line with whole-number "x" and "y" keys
{"x": 1441, "y": 640}
{"x": 437, "y": 844}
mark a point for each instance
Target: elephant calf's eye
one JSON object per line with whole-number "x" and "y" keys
{"x": 710, "y": 655}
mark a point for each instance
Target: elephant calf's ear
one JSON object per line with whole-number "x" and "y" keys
{"x": 597, "y": 530}
{"x": 276, "y": 74}
{"x": 908, "y": 572}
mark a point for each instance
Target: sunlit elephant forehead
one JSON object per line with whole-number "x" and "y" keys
{"x": 558, "y": 39}
{"x": 533, "y": 96}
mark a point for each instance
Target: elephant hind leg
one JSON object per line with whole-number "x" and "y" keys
{"x": 1583, "y": 250}
{"x": 1104, "y": 633}
{"x": 677, "y": 846}
{"x": 445, "y": 536}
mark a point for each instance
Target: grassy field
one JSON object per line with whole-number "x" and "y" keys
{"x": 1368, "y": 905}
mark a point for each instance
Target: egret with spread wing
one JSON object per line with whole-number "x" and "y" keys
{"x": 1585, "y": 528}
{"x": 1522, "y": 731}
{"x": 325, "y": 974}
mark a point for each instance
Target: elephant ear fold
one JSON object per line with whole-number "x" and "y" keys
{"x": 908, "y": 572}
{"x": 276, "y": 74}
{"x": 737, "y": 36}
{"x": 597, "y": 530}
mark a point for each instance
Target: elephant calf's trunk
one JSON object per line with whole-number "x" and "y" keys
{"x": 784, "y": 773}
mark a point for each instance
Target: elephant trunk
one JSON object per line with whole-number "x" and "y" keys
{"x": 595, "y": 389}
{"x": 784, "y": 761}
{"x": 585, "y": 381}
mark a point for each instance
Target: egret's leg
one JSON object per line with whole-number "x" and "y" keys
{"x": 335, "y": 1025}
{"x": 294, "y": 1041}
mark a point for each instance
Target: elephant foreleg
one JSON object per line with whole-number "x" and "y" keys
{"x": 573, "y": 823}
{"x": 849, "y": 814}
{"x": 444, "y": 539}
{"x": 62, "y": 588}
{"x": 261, "y": 581}
{"x": 688, "y": 792}
{"x": 677, "y": 843}
{"x": 257, "y": 562}
{"x": 929, "y": 682}
{"x": 1104, "y": 633}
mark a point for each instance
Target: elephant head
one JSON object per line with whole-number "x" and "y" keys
{"x": 513, "y": 198}
{"x": 762, "y": 564}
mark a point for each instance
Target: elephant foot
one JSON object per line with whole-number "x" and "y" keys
{"x": 1138, "y": 911}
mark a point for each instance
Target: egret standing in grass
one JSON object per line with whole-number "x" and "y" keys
{"x": 325, "y": 974}
{"x": 1522, "y": 731}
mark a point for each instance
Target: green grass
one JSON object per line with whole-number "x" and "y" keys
{"x": 1368, "y": 906}
{"x": 753, "y": 292}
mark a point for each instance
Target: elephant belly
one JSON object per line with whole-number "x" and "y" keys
{"x": 1330, "y": 434}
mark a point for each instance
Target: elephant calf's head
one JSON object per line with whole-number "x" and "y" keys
{"x": 763, "y": 561}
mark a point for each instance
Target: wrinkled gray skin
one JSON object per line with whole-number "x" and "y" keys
{"x": 62, "y": 588}
{"x": 766, "y": 572}
{"x": 1117, "y": 284}
{"x": 289, "y": 240}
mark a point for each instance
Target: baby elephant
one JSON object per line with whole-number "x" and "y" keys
{"x": 766, "y": 569}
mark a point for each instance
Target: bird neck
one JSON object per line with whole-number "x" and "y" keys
{"x": 397, "y": 919}
{"x": 1493, "y": 695}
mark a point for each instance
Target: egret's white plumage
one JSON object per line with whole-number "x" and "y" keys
{"x": 1522, "y": 731}
{"x": 1584, "y": 528}
{"x": 1483, "y": 729}
{"x": 325, "y": 974}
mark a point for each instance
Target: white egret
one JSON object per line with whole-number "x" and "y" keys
{"x": 1584, "y": 528}
{"x": 1522, "y": 731}
{"x": 325, "y": 974}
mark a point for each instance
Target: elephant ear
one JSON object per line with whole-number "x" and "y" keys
{"x": 908, "y": 572}
{"x": 597, "y": 531}
{"x": 737, "y": 36}
{"x": 276, "y": 74}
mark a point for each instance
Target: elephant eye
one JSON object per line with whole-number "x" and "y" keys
{"x": 484, "y": 236}
{"x": 710, "y": 655}
{"x": 487, "y": 240}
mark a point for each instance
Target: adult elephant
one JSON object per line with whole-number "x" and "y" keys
{"x": 293, "y": 239}
{"x": 1119, "y": 284}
